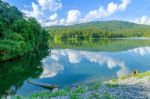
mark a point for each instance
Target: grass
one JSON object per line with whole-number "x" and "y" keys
{"x": 138, "y": 75}
{"x": 76, "y": 92}
{"x": 95, "y": 86}
{"x": 50, "y": 94}
{"x": 72, "y": 93}
{"x": 94, "y": 96}
{"x": 112, "y": 83}
{"x": 108, "y": 96}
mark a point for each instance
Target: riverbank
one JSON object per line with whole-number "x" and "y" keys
{"x": 135, "y": 86}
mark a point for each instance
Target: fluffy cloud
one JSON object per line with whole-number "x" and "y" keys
{"x": 141, "y": 51}
{"x": 45, "y": 11}
{"x": 53, "y": 20}
{"x": 35, "y": 12}
{"x": 95, "y": 14}
{"x": 51, "y": 70}
{"x": 102, "y": 13}
{"x": 51, "y": 5}
{"x": 73, "y": 17}
{"x": 53, "y": 17}
{"x": 75, "y": 57}
{"x": 112, "y": 7}
{"x": 142, "y": 20}
{"x": 52, "y": 65}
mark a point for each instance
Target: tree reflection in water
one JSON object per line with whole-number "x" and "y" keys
{"x": 14, "y": 73}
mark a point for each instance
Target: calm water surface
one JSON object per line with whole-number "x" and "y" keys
{"x": 71, "y": 62}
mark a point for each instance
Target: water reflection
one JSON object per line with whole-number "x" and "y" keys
{"x": 59, "y": 59}
{"x": 51, "y": 70}
{"x": 14, "y": 73}
{"x": 100, "y": 44}
{"x": 74, "y": 62}
{"x": 141, "y": 51}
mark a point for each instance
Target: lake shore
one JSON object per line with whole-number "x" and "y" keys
{"x": 135, "y": 86}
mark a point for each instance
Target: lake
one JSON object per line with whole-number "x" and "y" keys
{"x": 68, "y": 63}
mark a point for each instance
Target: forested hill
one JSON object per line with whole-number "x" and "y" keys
{"x": 107, "y": 25}
{"x": 99, "y": 29}
{"x": 18, "y": 35}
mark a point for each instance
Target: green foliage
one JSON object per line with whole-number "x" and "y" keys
{"x": 100, "y": 44}
{"x": 95, "y": 86}
{"x": 17, "y": 34}
{"x": 18, "y": 97}
{"x": 139, "y": 75}
{"x": 108, "y": 29}
{"x": 111, "y": 85}
{"x": 14, "y": 73}
{"x": 77, "y": 92}
{"x": 107, "y": 96}
{"x": 72, "y": 93}
{"x": 94, "y": 96}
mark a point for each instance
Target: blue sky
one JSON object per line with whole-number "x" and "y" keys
{"x": 68, "y": 12}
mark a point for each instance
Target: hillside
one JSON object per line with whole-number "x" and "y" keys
{"x": 107, "y": 25}
{"x": 101, "y": 29}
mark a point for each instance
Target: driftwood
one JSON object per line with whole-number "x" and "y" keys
{"x": 48, "y": 86}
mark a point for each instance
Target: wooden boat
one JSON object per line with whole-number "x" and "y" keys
{"x": 48, "y": 86}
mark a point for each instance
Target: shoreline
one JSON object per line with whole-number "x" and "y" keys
{"x": 134, "y": 86}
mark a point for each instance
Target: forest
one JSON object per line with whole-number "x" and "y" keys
{"x": 99, "y": 29}
{"x": 18, "y": 34}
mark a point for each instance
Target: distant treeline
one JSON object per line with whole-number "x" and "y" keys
{"x": 110, "y": 45}
{"x": 107, "y": 29}
{"x": 18, "y": 35}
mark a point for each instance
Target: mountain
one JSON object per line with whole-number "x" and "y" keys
{"x": 101, "y": 29}
{"x": 109, "y": 25}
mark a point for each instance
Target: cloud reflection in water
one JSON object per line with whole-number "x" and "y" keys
{"x": 52, "y": 65}
{"x": 141, "y": 51}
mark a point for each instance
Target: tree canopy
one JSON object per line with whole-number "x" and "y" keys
{"x": 18, "y": 35}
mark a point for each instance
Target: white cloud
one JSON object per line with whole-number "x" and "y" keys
{"x": 75, "y": 57}
{"x": 52, "y": 20}
{"x": 50, "y": 23}
{"x": 52, "y": 5}
{"x": 53, "y": 17}
{"x": 52, "y": 64}
{"x": 72, "y": 17}
{"x": 102, "y": 13}
{"x": 143, "y": 20}
{"x": 42, "y": 2}
{"x": 63, "y": 21}
{"x": 112, "y": 7}
{"x": 51, "y": 70}
{"x": 45, "y": 11}
{"x": 35, "y": 12}
{"x": 95, "y": 14}
{"x": 141, "y": 51}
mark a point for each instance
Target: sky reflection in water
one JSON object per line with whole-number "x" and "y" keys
{"x": 65, "y": 67}
{"x": 119, "y": 63}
